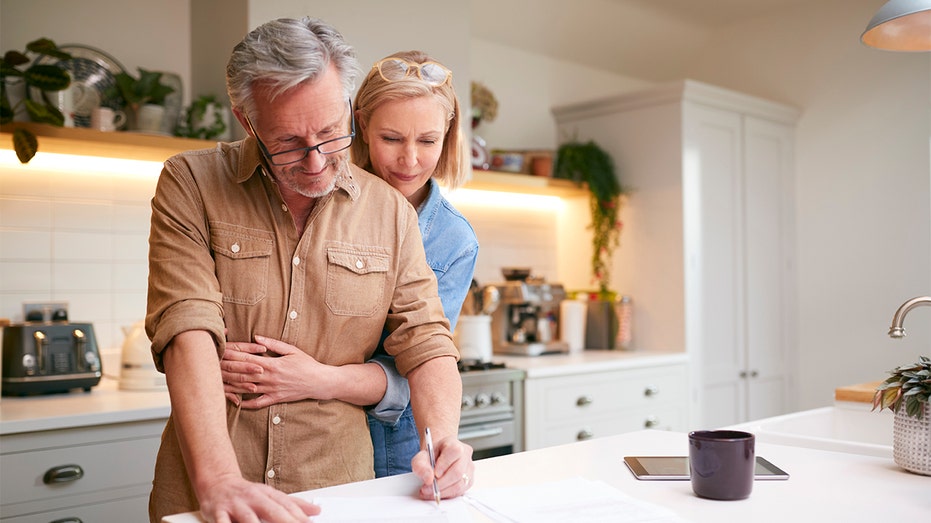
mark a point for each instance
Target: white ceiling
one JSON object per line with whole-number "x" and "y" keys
{"x": 648, "y": 39}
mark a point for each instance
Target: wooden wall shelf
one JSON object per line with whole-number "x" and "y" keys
{"x": 158, "y": 148}
{"x": 118, "y": 144}
{"x": 525, "y": 184}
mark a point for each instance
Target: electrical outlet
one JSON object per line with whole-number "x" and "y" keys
{"x": 45, "y": 310}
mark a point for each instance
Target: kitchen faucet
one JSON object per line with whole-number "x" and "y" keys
{"x": 896, "y": 330}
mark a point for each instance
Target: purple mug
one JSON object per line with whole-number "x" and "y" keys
{"x": 721, "y": 463}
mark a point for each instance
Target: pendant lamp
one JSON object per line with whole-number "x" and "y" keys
{"x": 900, "y": 25}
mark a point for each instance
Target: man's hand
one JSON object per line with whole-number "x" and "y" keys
{"x": 455, "y": 470}
{"x": 233, "y": 499}
{"x": 292, "y": 375}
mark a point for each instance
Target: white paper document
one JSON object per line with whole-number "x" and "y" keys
{"x": 578, "y": 500}
{"x": 390, "y": 509}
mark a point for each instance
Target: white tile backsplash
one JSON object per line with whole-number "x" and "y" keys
{"x": 83, "y": 238}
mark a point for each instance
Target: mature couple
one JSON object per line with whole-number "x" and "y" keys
{"x": 290, "y": 290}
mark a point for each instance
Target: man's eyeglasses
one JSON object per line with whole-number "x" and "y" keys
{"x": 295, "y": 155}
{"x": 394, "y": 69}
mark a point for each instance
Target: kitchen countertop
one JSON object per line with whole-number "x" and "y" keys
{"x": 105, "y": 403}
{"x": 589, "y": 360}
{"x": 823, "y": 485}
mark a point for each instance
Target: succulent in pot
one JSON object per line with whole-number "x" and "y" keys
{"x": 906, "y": 392}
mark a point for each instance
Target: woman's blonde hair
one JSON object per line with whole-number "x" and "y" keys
{"x": 375, "y": 91}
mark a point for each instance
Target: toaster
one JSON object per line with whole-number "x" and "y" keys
{"x": 48, "y": 357}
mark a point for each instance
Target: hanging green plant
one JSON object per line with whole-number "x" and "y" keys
{"x": 589, "y": 163}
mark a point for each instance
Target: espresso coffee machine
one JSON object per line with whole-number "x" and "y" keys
{"x": 527, "y": 318}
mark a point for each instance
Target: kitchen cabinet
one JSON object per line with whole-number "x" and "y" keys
{"x": 708, "y": 237}
{"x": 93, "y": 473}
{"x": 598, "y": 393}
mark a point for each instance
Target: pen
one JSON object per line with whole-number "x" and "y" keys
{"x": 436, "y": 490}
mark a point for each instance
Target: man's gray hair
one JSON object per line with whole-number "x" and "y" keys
{"x": 284, "y": 53}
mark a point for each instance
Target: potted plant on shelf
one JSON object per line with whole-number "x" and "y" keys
{"x": 144, "y": 97}
{"x": 587, "y": 162}
{"x": 204, "y": 119}
{"x": 907, "y": 392}
{"x": 45, "y": 78}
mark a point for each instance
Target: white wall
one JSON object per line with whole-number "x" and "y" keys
{"x": 863, "y": 182}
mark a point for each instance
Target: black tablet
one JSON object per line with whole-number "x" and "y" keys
{"x": 677, "y": 468}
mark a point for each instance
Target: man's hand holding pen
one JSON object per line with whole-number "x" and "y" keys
{"x": 454, "y": 471}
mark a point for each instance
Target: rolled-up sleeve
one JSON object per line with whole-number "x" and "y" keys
{"x": 183, "y": 292}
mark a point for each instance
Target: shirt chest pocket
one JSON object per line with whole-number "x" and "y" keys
{"x": 242, "y": 259}
{"x": 356, "y": 280}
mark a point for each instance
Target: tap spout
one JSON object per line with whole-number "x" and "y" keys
{"x": 896, "y": 330}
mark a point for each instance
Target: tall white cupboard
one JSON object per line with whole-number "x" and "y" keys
{"x": 707, "y": 247}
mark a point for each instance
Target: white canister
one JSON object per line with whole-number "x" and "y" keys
{"x": 572, "y": 315}
{"x": 473, "y": 337}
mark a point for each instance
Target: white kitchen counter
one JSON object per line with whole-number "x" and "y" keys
{"x": 104, "y": 404}
{"x": 824, "y": 486}
{"x": 589, "y": 360}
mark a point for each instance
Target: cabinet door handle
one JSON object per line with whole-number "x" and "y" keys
{"x": 651, "y": 390}
{"x": 584, "y": 434}
{"x": 754, "y": 373}
{"x": 651, "y": 422}
{"x": 743, "y": 374}
{"x": 584, "y": 400}
{"x": 63, "y": 474}
{"x": 68, "y": 520}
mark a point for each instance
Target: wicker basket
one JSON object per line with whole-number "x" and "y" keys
{"x": 911, "y": 441}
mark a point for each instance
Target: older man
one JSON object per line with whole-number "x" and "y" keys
{"x": 279, "y": 236}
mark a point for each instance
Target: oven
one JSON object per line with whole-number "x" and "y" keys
{"x": 491, "y": 419}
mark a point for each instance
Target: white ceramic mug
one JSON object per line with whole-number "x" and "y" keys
{"x": 106, "y": 119}
{"x": 76, "y": 100}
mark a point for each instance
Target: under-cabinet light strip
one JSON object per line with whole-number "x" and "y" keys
{"x": 79, "y": 164}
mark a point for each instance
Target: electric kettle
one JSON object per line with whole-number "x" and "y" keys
{"x": 137, "y": 369}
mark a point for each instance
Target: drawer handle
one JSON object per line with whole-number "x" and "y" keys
{"x": 69, "y": 520}
{"x": 651, "y": 390}
{"x": 583, "y": 401}
{"x": 584, "y": 434}
{"x": 63, "y": 474}
{"x": 651, "y": 422}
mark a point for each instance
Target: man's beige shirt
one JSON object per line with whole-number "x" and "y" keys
{"x": 224, "y": 253}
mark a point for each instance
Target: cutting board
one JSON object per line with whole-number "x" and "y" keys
{"x": 861, "y": 393}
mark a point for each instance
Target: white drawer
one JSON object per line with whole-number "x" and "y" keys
{"x": 569, "y": 398}
{"x": 127, "y": 509}
{"x": 669, "y": 417}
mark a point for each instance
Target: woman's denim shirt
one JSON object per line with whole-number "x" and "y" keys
{"x": 452, "y": 250}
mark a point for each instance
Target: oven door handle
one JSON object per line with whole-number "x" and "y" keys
{"x": 480, "y": 433}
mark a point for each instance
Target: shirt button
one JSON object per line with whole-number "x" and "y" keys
{"x": 235, "y": 247}
{"x": 292, "y": 314}
{"x": 270, "y": 473}
{"x": 276, "y": 420}
{"x": 296, "y": 260}
{"x": 359, "y": 264}
{"x": 284, "y": 207}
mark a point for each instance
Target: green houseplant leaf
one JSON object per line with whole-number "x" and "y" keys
{"x": 45, "y": 77}
{"x": 909, "y": 386}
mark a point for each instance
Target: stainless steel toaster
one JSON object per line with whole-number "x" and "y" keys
{"x": 49, "y": 357}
